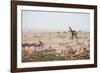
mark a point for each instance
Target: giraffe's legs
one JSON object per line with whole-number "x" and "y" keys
{"x": 74, "y": 34}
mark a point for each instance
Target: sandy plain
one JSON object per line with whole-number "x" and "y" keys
{"x": 54, "y": 46}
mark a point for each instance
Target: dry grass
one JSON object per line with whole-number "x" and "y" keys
{"x": 57, "y": 46}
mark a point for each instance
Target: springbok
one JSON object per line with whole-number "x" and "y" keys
{"x": 27, "y": 45}
{"x": 38, "y": 45}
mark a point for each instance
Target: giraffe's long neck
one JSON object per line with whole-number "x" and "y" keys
{"x": 70, "y": 29}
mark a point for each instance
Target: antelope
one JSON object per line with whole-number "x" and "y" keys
{"x": 27, "y": 45}
{"x": 38, "y": 45}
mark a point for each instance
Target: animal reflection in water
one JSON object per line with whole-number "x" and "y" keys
{"x": 36, "y": 45}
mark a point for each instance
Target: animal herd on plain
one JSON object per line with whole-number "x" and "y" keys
{"x": 41, "y": 45}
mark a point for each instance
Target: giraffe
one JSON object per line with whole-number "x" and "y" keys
{"x": 73, "y": 33}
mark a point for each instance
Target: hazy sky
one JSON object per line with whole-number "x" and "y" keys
{"x": 54, "y": 21}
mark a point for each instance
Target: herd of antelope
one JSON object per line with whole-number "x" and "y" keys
{"x": 67, "y": 48}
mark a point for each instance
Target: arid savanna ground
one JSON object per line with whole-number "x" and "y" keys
{"x": 54, "y": 46}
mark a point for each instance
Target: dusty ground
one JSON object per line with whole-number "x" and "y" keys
{"x": 56, "y": 46}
